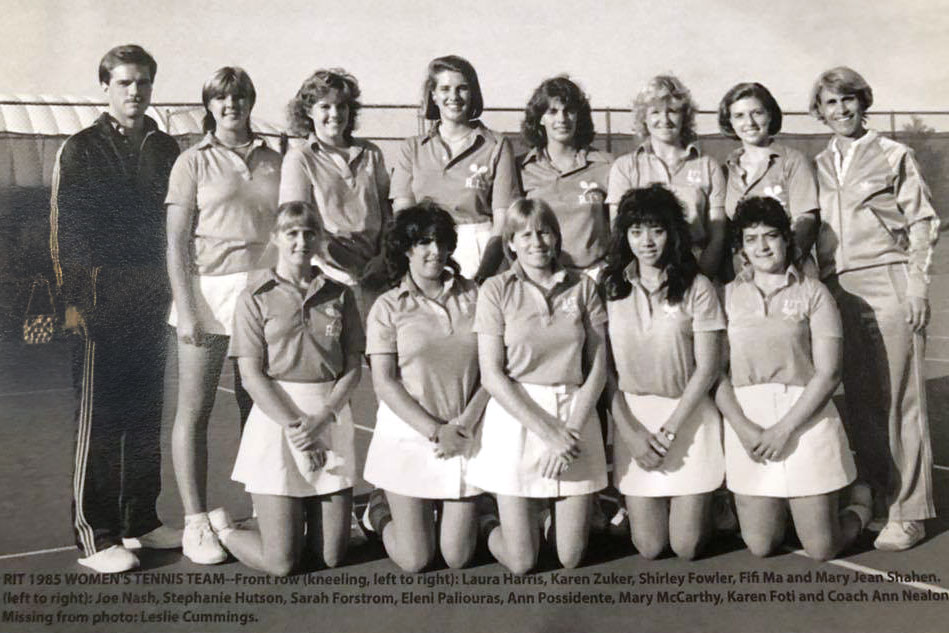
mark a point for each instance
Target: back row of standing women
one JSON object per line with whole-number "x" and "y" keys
{"x": 531, "y": 350}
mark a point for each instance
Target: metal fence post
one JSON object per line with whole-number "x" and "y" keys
{"x": 609, "y": 131}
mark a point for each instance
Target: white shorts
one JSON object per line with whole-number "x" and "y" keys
{"x": 268, "y": 464}
{"x": 472, "y": 242}
{"x": 215, "y": 298}
{"x": 510, "y": 457}
{"x": 402, "y": 461}
{"x": 694, "y": 464}
{"x": 816, "y": 460}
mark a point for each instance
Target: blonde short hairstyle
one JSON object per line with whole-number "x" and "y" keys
{"x": 665, "y": 89}
{"x": 523, "y": 213}
{"x": 842, "y": 80}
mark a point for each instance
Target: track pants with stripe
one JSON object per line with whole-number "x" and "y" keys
{"x": 118, "y": 374}
{"x": 885, "y": 389}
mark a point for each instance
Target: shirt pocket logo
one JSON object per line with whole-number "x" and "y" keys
{"x": 776, "y": 192}
{"x": 694, "y": 177}
{"x": 478, "y": 178}
{"x": 591, "y": 193}
{"x": 671, "y": 310}
{"x": 334, "y": 328}
{"x": 570, "y": 306}
{"x": 794, "y": 310}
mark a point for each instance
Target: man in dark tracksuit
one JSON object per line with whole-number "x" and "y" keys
{"x": 107, "y": 240}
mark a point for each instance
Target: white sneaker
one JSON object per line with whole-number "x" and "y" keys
{"x": 220, "y": 519}
{"x": 112, "y": 560}
{"x": 897, "y": 536}
{"x": 162, "y": 537}
{"x": 200, "y": 544}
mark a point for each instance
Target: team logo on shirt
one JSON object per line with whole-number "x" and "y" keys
{"x": 570, "y": 306}
{"x": 794, "y": 310}
{"x": 694, "y": 177}
{"x": 671, "y": 310}
{"x": 334, "y": 328}
{"x": 478, "y": 178}
{"x": 591, "y": 193}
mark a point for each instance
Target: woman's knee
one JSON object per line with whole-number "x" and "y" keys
{"x": 280, "y": 565}
{"x": 821, "y": 548}
{"x": 688, "y": 547}
{"x": 760, "y": 545}
{"x": 522, "y": 562}
{"x": 649, "y": 547}
{"x": 571, "y": 556}
{"x": 457, "y": 552}
{"x": 414, "y": 560}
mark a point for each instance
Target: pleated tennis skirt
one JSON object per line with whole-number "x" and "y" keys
{"x": 402, "y": 461}
{"x": 267, "y": 463}
{"x": 816, "y": 459}
{"x": 694, "y": 464}
{"x": 509, "y": 458}
{"x": 215, "y": 298}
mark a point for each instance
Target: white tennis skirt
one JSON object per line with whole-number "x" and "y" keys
{"x": 816, "y": 460}
{"x": 510, "y": 457}
{"x": 472, "y": 242}
{"x": 694, "y": 463}
{"x": 268, "y": 464}
{"x": 215, "y": 298}
{"x": 402, "y": 461}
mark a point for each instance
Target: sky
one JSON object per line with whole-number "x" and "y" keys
{"x": 610, "y": 47}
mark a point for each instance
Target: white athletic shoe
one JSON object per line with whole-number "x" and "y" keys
{"x": 220, "y": 519}
{"x": 200, "y": 544}
{"x": 897, "y": 536}
{"x": 162, "y": 537}
{"x": 112, "y": 560}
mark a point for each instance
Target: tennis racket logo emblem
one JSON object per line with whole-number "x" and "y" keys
{"x": 478, "y": 178}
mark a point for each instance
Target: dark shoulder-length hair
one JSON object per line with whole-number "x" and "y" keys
{"x": 650, "y": 206}
{"x": 457, "y": 64}
{"x": 743, "y": 91}
{"x": 229, "y": 80}
{"x": 760, "y": 210}
{"x": 413, "y": 225}
{"x": 573, "y": 99}
{"x": 315, "y": 87}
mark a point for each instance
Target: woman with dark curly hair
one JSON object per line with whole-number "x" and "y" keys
{"x": 565, "y": 172}
{"x": 343, "y": 177}
{"x": 424, "y": 360}
{"x": 760, "y": 167}
{"x": 459, "y": 164}
{"x": 785, "y": 446}
{"x": 664, "y": 117}
{"x": 665, "y": 332}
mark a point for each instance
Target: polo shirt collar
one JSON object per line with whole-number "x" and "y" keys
{"x": 560, "y": 274}
{"x": 269, "y": 279}
{"x": 354, "y": 149}
{"x": 692, "y": 150}
{"x": 479, "y": 131}
{"x": 209, "y": 140}
{"x": 774, "y": 151}
{"x": 631, "y": 273}
{"x": 408, "y": 287}
{"x": 584, "y": 157}
{"x": 791, "y": 276}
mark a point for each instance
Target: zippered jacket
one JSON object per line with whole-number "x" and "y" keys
{"x": 879, "y": 213}
{"x": 106, "y": 208}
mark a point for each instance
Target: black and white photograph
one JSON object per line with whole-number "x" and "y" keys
{"x": 514, "y": 317}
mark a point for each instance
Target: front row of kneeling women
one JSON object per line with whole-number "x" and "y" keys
{"x": 495, "y": 391}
